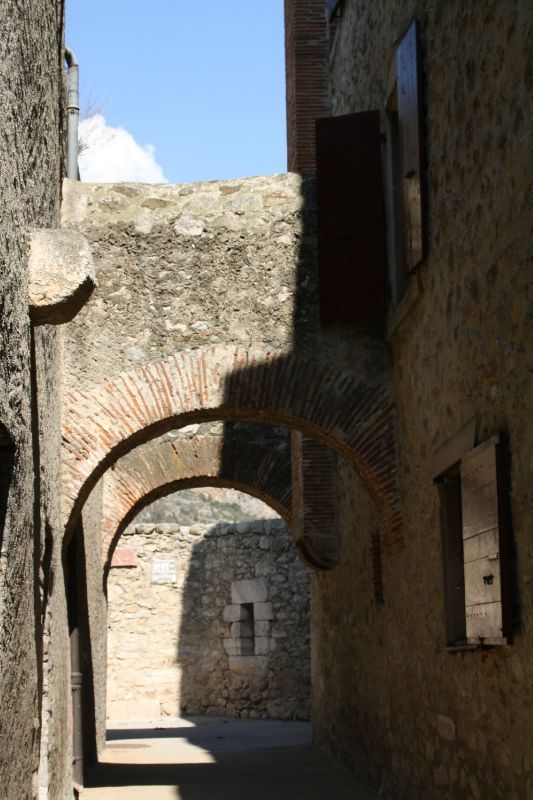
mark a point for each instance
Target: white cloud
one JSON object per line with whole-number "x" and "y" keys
{"x": 108, "y": 155}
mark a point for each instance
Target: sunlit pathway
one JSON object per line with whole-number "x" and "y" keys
{"x": 209, "y": 758}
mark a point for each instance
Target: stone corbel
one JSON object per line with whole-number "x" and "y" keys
{"x": 61, "y": 275}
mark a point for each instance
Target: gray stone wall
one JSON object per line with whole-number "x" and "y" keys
{"x": 54, "y": 767}
{"x": 31, "y": 95}
{"x": 180, "y": 266}
{"x": 421, "y": 721}
{"x": 213, "y": 619}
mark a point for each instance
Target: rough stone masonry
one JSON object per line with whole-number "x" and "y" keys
{"x": 211, "y": 619}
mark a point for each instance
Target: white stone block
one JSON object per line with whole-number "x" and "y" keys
{"x": 262, "y": 628}
{"x": 263, "y": 611}
{"x": 249, "y": 591}
{"x": 233, "y": 613}
{"x": 263, "y": 645}
{"x": 240, "y": 629}
{"x": 232, "y": 646}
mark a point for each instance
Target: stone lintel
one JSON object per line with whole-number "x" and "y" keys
{"x": 249, "y": 591}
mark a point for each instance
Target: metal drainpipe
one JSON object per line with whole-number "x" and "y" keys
{"x": 76, "y": 683}
{"x": 73, "y": 113}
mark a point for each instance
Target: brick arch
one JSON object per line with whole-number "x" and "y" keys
{"x": 146, "y": 474}
{"x": 181, "y": 485}
{"x": 351, "y": 415}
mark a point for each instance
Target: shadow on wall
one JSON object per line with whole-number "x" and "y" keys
{"x": 294, "y": 386}
{"x": 240, "y": 596}
{"x": 7, "y": 463}
{"x": 244, "y": 639}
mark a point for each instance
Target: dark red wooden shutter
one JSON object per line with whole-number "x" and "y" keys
{"x": 410, "y": 136}
{"x": 486, "y": 545}
{"x": 351, "y": 231}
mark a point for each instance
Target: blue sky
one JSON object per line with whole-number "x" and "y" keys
{"x": 202, "y": 82}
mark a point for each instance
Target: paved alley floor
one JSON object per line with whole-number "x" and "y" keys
{"x": 212, "y": 758}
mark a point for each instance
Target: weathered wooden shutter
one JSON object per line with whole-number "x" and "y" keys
{"x": 351, "y": 233}
{"x": 486, "y": 545}
{"x": 410, "y": 138}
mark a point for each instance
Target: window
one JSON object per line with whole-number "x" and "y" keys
{"x": 475, "y": 524}
{"x": 246, "y": 630}
{"x": 249, "y": 616}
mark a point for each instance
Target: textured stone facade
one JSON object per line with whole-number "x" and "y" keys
{"x": 206, "y": 309}
{"x": 31, "y": 149}
{"x": 218, "y": 616}
{"x": 423, "y": 722}
{"x": 165, "y": 256}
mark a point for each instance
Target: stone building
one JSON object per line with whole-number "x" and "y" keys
{"x": 377, "y": 397}
{"x": 437, "y": 95}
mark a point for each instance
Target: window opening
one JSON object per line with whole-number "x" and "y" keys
{"x": 475, "y": 526}
{"x": 247, "y": 628}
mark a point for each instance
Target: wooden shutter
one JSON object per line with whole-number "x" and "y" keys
{"x": 351, "y": 233}
{"x": 410, "y": 138}
{"x": 486, "y": 545}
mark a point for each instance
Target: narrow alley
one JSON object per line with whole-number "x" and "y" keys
{"x": 220, "y": 759}
{"x": 343, "y": 335}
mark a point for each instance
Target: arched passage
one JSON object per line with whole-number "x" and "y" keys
{"x": 352, "y": 416}
{"x": 146, "y": 474}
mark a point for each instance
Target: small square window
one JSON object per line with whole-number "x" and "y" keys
{"x": 247, "y": 629}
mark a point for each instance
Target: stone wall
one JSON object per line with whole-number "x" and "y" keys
{"x": 31, "y": 151}
{"x": 212, "y": 619}
{"x": 179, "y": 266}
{"x": 421, "y": 721}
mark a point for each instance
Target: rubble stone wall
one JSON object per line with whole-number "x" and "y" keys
{"x": 211, "y": 620}
{"x": 180, "y": 266}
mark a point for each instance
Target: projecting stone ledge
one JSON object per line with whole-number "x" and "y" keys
{"x": 61, "y": 275}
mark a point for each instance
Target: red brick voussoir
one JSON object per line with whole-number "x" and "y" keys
{"x": 146, "y": 474}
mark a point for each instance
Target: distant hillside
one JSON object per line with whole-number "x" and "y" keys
{"x": 205, "y": 506}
